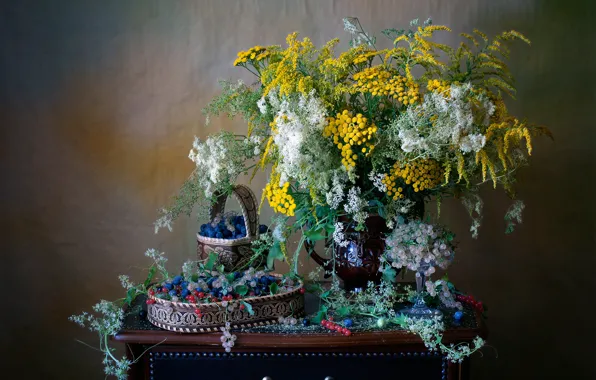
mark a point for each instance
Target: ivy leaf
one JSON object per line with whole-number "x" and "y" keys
{"x": 241, "y": 290}
{"x": 389, "y": 275}
{"x": 211, "y": 260}
{"x": 320, "y": 315}
{"x": 342, "y": 311}
{"x": 130, "y": 296}
{"x": 149, "y": 276}
{"x": 248, "y": 308}
{"x": 275, "y": 253}
{"x": 330, "y": 228}
{"x": 273, "y": 288}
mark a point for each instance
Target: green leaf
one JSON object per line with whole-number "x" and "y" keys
{"x": 230, "y": 277}
{"x": 248, "y": 307}
{"x": 330, "y": 228}
{"x": 275, "y": 253}
{"x": 273, "y": 288}
{"x": 241, "y": 290}
{"x": 220, "y": 268}
{"x": 315, "y": 234}
{"x": 321, "y": 314}
{"x": 211, "y": 260}
{"x": 130, "y": 296}
{"x": 194, "y": 277}
{"x": 325, "y": 294}
{"x": 389, "y": 275}
{"x": 342, "y": 311}
{"x": 149, "y": 276}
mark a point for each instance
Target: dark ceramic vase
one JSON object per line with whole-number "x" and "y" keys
{"x": 358, "y": 263}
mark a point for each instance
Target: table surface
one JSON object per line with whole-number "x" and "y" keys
{"x": 136, "y": 330}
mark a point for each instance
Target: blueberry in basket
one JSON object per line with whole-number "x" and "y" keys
{"x": 230, "y": 226}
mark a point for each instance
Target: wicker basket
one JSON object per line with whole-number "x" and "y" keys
{"x": 181, "y": 317}
{"x": 233, "y": 253}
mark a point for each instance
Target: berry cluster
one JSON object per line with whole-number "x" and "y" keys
{"x": 469, "y": 300}
{"x": 335, "y": 327}
{"x": 349, "y": 132}
{"x": 216, "y": 288}
{"x": 227, "y": 227}
{"x": 421, "y": 174}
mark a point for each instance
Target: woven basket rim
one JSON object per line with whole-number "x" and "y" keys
{"x": 226, "y": 242}
{"x": 250, "y": 300}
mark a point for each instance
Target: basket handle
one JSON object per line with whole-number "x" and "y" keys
{"x": 248, "y": 203}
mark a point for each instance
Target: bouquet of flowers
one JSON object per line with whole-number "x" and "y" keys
{"x": 370, "y": 131}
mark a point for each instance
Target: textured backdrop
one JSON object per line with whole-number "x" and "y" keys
{"x": 99, "y": 103}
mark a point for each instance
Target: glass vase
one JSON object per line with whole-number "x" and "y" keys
{"x": 419, "y": 309}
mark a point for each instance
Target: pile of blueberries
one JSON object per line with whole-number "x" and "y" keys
{"x": 221, "y": 231}
{"x": 179, "y": 287}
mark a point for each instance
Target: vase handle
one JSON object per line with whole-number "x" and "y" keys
{"x": 325, "y": 263}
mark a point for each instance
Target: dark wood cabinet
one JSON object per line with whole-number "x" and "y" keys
{"x": 290, "y": 356}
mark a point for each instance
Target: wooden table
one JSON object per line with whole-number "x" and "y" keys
{"x": 311, "y": 354}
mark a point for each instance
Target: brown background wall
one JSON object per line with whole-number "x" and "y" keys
{"x": 100, "y": 101}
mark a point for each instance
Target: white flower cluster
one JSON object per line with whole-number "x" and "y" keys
{"x": 355, "y": 205}
{"x": 442, "y": 122}
{"x": 220, "y": 159}
{"x": 377, "y": 180}
{"x": 297, "y": 120}
{"x": 419, "y": 247}
{"x": 335, "y": 195}
{"x": 338, "y": 235}
{"x": 125, "y": 282}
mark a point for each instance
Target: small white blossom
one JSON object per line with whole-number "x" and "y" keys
{"x": 338, "y": 236}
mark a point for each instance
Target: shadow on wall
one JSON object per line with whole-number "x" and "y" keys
{"x": 537, "y": 280}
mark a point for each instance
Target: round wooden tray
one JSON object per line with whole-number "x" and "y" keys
{"x": 181, "y": 317}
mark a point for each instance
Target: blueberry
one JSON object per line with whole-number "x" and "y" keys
{"x": 348, "y": 322}
{"x": 264, "y": 280}
{"x": 177, "y": 280}
{"x": 458, "y": 315}
{"x": 185, "y": 293}
{"x": 199, "y": 289}
{"x": 262, "y": 229}
{"x": 219, "y": 235}
{"x": 237, "y": 275}
{"x": 143, "y": 314}
{"x": 172, "y": 293}
{"x": 258, "y": 291}
{"x": 168, "y": 286}
{"x": 305, "y": 322}
{"x": 184, "y": 284}
{"x": 210, "y": 280}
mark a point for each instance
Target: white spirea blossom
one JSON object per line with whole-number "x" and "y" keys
{"x": 472, "y": 143}
{"x": 297, "y": 118}
{"x": 220, "y": 159}
{"x": 442, "y": 121}
{"x": 338, "y": 235}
